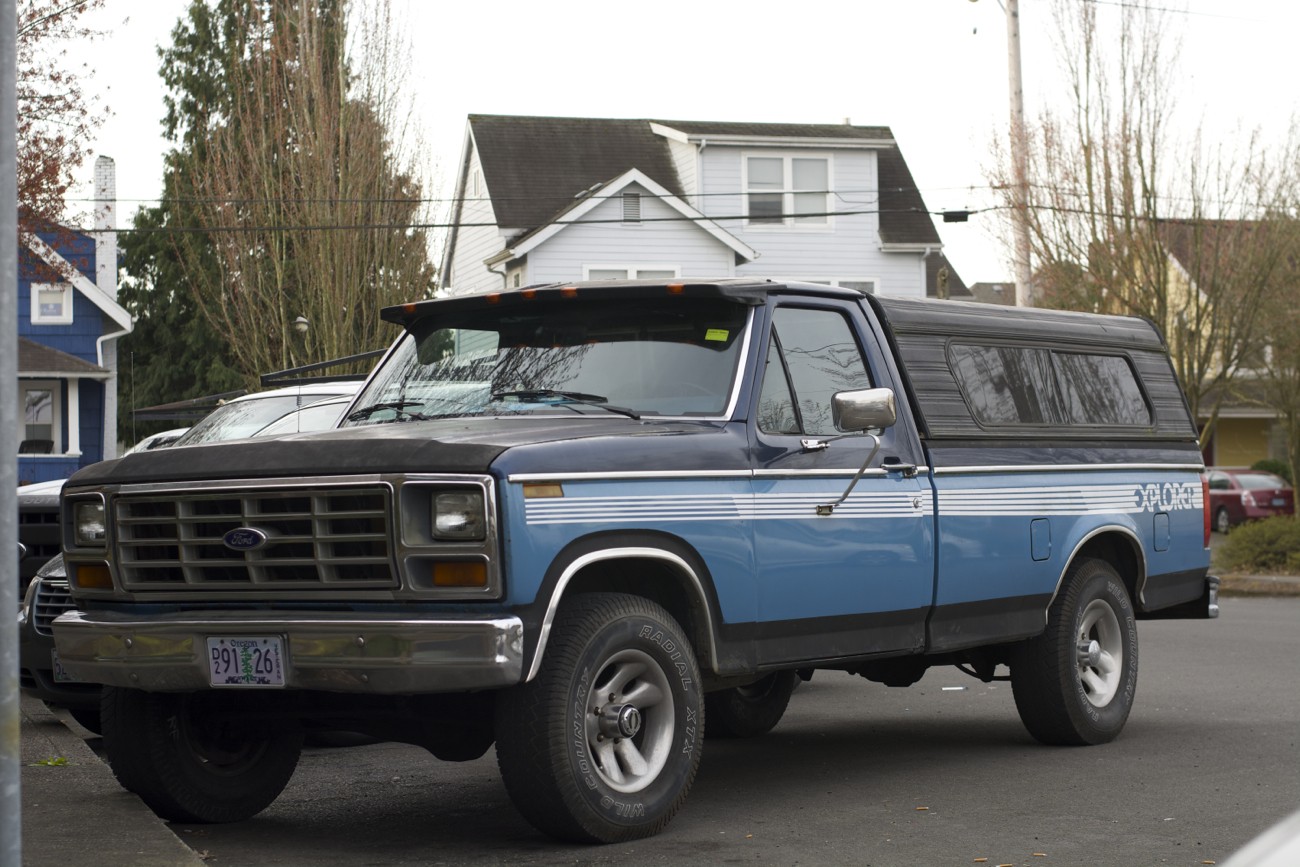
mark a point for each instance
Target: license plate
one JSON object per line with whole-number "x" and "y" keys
{"x": 246, "y": 660}
{"x": 1279, "y": 501}
{"x": 60, "y": 673}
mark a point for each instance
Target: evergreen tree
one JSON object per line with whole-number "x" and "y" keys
{"x": 285, "y": 197}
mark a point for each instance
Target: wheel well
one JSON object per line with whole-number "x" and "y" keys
{"x": 661, "y": 582}
{"x": 1119, "y": 551}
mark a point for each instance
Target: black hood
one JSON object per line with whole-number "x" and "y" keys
{"x": 446, "y": 446}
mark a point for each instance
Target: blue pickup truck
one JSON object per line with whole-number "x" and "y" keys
{"x": 591, "y": 524}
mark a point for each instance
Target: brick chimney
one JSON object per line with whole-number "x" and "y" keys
{"x": 106, "y": 219}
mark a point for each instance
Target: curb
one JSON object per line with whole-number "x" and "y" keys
{"x": 73, "y": 810}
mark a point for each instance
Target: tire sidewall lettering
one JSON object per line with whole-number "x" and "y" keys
{"x": 656, "y": 639}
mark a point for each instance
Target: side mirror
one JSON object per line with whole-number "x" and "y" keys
{"x": 864, "y": 409}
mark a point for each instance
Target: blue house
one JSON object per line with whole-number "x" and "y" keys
{"x": 69, "y": 323}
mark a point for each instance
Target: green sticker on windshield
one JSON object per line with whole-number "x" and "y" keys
{"x": 719, "y": 334}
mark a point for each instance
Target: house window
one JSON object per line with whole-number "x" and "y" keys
{"x": 787, "y": 190}
{"x": 38, "y": 401}
{"x": 631, "y": 207}
{"x": 51, "y": 303}
{"x": 631, "y": 272}
{"x": 866, "y": 286}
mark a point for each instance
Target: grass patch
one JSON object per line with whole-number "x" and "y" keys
{"x": 1268, "y": 547}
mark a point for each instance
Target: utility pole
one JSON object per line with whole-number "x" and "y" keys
{"x": 11, "y": 802}
{"x": 1019, "y": 160}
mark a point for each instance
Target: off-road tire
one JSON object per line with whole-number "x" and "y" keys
{"x": 190, "y": 765}
{"x": 562, "y": 740}
{"x": 1068, "y": 691}
{"x": 749, "y": 711}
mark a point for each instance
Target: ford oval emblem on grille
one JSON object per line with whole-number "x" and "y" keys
{"x": 244, "y": 539}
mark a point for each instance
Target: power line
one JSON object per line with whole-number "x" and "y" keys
{"x": 1146, "y": 7}
{"x": 462, "y": 225}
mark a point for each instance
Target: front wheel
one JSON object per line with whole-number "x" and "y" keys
{"x": 749, "y": 711}
{"x": 603, "y": 745}
{"x": 190, "y": 760}
{"x": 1075, "y": 683}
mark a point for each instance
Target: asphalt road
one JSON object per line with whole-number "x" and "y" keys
{"x": 857, "y": 773}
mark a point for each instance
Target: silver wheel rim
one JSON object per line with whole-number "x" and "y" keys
{"x": 630, "y": 721}
{"x": 1100, "y": 651}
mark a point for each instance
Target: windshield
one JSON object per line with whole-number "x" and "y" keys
{"x": 674, "y": 357}
{"x": 244, "y": 418}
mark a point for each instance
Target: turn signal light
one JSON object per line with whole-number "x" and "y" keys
{"x": 460, "y": 574}
{"x": 94, "y": 577}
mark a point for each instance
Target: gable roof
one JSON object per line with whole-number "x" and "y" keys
{"x": 584, "y": 205}
{"x": 535, "y": 167}
{"x": 64, "y": 268}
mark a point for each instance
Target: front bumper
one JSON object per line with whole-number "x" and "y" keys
{"x": 375, "y": 654}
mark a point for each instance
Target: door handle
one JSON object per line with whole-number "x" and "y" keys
{"x": 894, "y": 465}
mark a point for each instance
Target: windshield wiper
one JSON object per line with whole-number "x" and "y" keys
{"x": 398, "y": 405}
{"x": 543, "y": 395}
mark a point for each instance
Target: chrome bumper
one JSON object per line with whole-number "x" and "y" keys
{"x": 334, "y": 653}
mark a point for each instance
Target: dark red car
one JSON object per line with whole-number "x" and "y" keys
{"x": 1238, "y": 495}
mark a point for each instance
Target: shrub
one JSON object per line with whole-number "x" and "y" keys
{"x": 1277, "y": 468}
{"x": 1271, "y": 546}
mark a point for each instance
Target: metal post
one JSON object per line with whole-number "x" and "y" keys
{"x": 1019, "y": 160}
{"x": 11, "y": 803}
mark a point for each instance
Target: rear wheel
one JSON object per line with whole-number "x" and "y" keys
{"x": 1075, "y": 683}
{"x": 749, "y": 711}
{"x": 603, "y": 745}
{"x": 1222, "y": 520}
{"x": 190, "y": 760}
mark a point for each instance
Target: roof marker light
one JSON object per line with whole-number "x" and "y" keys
{"x": 569, "y": 292}
{"x": 494, "y": 298}
{"x": 676, "y": 288}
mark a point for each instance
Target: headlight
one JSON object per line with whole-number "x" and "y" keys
{"x": 459, "y": 515}
{"x": 88, "y": 524}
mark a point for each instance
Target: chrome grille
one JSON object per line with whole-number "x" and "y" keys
{"x": 52, "y": 599}
{"x": 316, "y": 538}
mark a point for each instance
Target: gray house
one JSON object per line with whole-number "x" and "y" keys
{"x": 552, "y": 199}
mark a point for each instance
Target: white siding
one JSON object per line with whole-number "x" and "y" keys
{"x": 846, "y": 249}
{"x": 474, "y": 243}
{"x": 675, "y": 242}
{"x": 684, "y": 156}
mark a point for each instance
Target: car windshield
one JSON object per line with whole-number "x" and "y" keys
{"x": 1260, "y": 481}
{"x": 675, "y": 357}
{"x": 244, "y": 418}
{"x": 318, "y": 416}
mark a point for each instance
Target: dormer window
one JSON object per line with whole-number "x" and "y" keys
{"x": 787, "y": 190}
{"x": 51, "y": 303}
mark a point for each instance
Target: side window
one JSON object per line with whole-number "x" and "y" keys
{"x": 775, "y": 402}
{"x": 1006, "y": 384}
{"x": 813, "y": 355}
{"x": 1100, "y": 389}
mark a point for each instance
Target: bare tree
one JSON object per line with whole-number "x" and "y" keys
{"x": 1281, "y": 321}
{"x": 306, "y": 189}
{"x": 1125, "y": 219}
{"x": 55, "y": 115}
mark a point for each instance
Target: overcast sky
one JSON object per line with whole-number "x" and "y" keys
{"x": 934, "y": 71}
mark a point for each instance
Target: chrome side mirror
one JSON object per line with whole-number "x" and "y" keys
{"x": 864, "y": 409}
